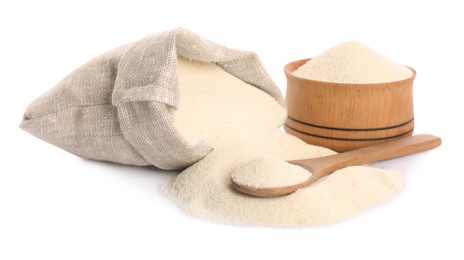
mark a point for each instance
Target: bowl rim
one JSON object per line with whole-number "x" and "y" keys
{"x": 292, "y": 66}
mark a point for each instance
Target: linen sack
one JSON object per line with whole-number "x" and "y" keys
{"x": 119, "y": 106}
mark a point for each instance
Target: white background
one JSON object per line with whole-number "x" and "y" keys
{"x": 54, "y": 205}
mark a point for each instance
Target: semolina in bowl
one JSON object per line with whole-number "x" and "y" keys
{"x": 344, "y": 116}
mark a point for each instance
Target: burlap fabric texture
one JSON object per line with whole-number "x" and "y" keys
{"x": 119, "y": 106}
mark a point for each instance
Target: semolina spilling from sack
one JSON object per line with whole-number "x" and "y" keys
{"x": 242, "y": 124}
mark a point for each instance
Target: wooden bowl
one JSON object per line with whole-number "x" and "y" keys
{"x": 343, "y": 116}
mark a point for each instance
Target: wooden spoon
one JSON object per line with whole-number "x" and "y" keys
{"x": 322, "y": 166}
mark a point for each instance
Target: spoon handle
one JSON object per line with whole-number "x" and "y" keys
{"x": 382, "y": 151}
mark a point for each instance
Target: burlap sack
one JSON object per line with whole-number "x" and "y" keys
{"x": 118, "y": 107}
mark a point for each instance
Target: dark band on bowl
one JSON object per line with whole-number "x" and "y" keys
{"x": 356, "y": 139}
{"x": 351, "y": 129}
